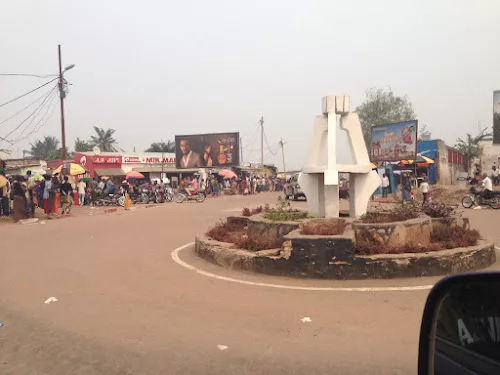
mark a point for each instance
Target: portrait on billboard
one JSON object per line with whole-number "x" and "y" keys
{"x": 207, "y": 150}
{"x": 394, "y": 142}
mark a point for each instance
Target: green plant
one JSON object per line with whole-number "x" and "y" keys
{"x": 285, "y": 215}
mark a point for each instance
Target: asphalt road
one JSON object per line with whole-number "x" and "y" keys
{"x": 125, "y": 307}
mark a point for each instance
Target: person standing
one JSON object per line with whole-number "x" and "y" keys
{"x": 66, "y": 196}
{"x": 385, "y": 186}
{"x": 424, "y": 186}
{"x": 19, "y": 198}
{"x": 496, "y": 176}
{"x": 406, "y": 189}
{"x": 49, "y": 196}
{"x": 30, "y": 184}
{"x": 81, "y": 187}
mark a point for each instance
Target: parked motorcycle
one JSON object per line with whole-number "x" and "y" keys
{"x": 169, "y": 195}
{"x": 183, "y": 195}
{"x": 474, "y": 197}
{"x": 111, "y": 200}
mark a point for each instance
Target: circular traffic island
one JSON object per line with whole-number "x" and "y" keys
{"x": 370, "y": 247}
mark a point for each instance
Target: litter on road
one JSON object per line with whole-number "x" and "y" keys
{"x": 306, "y": 320}
{"x": 222, "y": 347}
{"x": 51, "y": 299}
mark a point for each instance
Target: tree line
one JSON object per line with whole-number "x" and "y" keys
{"x": 49, "y": 148}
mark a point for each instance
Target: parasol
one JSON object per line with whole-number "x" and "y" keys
{"x": 74, "y": 169}
{"x": 227, "y": 173}
{"x": 134, "y": 175}
{"x": 373, "y": 166}
{"x": 422, "y": 161}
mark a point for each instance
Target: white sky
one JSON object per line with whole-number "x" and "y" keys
{"x": 151, "y": 69}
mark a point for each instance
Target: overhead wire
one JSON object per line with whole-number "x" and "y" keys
{"x": 269, "y": 147}
{"x": 32, "y": 114}
{"x": 26, "y": 75}
{"x": 29, "y": 92}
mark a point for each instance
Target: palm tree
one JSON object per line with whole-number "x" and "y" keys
{"x": 46, "y": 149}
{"x": 470, "y": 146}
{"x": 82, "y": 146}
{"x": 168, "y": 146}
{"x": 104, "y": 139}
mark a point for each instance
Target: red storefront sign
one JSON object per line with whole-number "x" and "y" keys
{"x": 106, "y": 159}
{"x": 131, "y": 159}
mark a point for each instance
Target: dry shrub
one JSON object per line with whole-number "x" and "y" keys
{"x": 257, "y": 210}
{"x": 407, "y": 211}
{"x": 237, "y": 234}
{"x": 246, "y": 212}
{"x": 439, "y": 210}
{"x": 254, "y": 211}
{"x": 442, "y": 237}
{"x": 452, "y": 237}
{"x": 323, "y": 227}
{"x": 226, "y": 232}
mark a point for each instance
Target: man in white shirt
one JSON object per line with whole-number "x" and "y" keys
{"x": 81, "y": 191}
{"x": 424, "y": 186}
{"x": 487, "y": 187}
{"x": 385, "y": 185}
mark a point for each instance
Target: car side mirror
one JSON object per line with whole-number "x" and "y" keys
{"x": 460, "y": 331}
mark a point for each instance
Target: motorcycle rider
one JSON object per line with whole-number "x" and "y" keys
{"x": 487, "y": 192}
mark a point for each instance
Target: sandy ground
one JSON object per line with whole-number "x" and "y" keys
{"x": 125, "y": 307}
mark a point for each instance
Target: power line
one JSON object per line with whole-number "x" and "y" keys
{"x": 29, "y": 105}
{"x": 51, "y": 100}
{"x": 26, "y": 75}
{"x": 29, "y": 92}
{"x": 269, "y": 147}
{"x": 34, "y": 113}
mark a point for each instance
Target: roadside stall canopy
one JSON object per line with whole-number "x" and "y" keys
{"x": 109, "y": 172}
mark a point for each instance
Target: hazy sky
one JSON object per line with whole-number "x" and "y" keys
{"x": 153, "y": 69}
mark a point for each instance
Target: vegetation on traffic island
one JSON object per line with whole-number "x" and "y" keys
{"x": 323, "y": 227}
{"x": 238, "y": 234}
{"x": 282, "y": 212}
{"x": 409, "y": 211}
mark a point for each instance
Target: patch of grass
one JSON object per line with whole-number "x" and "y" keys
{"x": 323, "y": 227}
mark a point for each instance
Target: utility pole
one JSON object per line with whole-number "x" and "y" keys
{"x": 261, "y": 121}
{"x": 62, "y": 94}
{"x": 162, "y": 159}
{"x": 283, "y": 155}
{"x": 241, "y": 151}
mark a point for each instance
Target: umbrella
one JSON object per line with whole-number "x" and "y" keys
{"x": 134, "y": 175}
{"x": 373, "y": 166}
{"x": 420, "y": 160}
{"x": 74, "y": 169}
{"x": 227, "y": 173}
{"x": 3, "y": 181}
{"x": 37, "y": 177}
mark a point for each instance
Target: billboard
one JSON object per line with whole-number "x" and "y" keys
{"x": 393, "y": 142}
{"x": 496, "y": 117}
{"x": 207, "y": 150}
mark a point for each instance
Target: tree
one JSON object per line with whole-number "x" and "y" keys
{"x": 104, "y": 139}
{"x": 470, "y": 145}
{"x": 424, "y": 134}
{"x": 45, "y": 149}
{"x": 168, "y": 146}
{"x": 383, "y": 107}
{"x": 82, "y": 146}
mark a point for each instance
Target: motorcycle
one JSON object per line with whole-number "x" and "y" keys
{"x": 183, "y": 195}
{"x": 169, "y": 195}
{"x": 474, "y": 197}
{"x": 111, "y": 200}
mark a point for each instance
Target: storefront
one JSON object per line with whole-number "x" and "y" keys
{"x": 108, "y": 164}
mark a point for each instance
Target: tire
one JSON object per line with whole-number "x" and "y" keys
{"x": 467, "y": 201}
{"x": 121, "y": 201}
{"x": 169, "y": 197}
{"x": 495, "y": 202}
{"x": 286, "y": 197}
{"x": 179, "y": 197}
{"x": 294, "y": 197}
{"x": 200, "y": 198}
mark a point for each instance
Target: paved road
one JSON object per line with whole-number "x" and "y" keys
{"x": 125, "y": 307}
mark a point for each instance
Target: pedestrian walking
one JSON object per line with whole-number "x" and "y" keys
{"x": 424, "y": 187}
{"x": 496, "y": 176}
{"x": 66, "y": 196}
{"x": 385, "y": 186}
{"x": 81, "y": 187}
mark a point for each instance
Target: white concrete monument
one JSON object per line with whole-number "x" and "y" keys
{"x": 321, "y": 182}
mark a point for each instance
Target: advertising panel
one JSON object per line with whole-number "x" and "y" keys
{"x": 394, "y": 142}
{"x": 207, "y": 150}
{"x": 496, "y": 117}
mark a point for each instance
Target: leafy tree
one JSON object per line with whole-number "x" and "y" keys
{"x": 45, "y": 149}
{"x": 470, "y": 145}
{"x": 383, "y": 107}
{"x": 82, "y": 146}
{"x": 168, "y": 146}
{"x": 424, "y": 134}
{"x": 104, "y": 139}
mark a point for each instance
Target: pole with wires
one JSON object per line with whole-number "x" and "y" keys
{"x": 282, "y": 144}
{"x": 61, "y": 97}
{"x": 261, "y": 121}
{"x": 241, "y": 151}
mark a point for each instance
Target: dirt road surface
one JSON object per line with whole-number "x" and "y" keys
{"x": 125, "y": 307}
